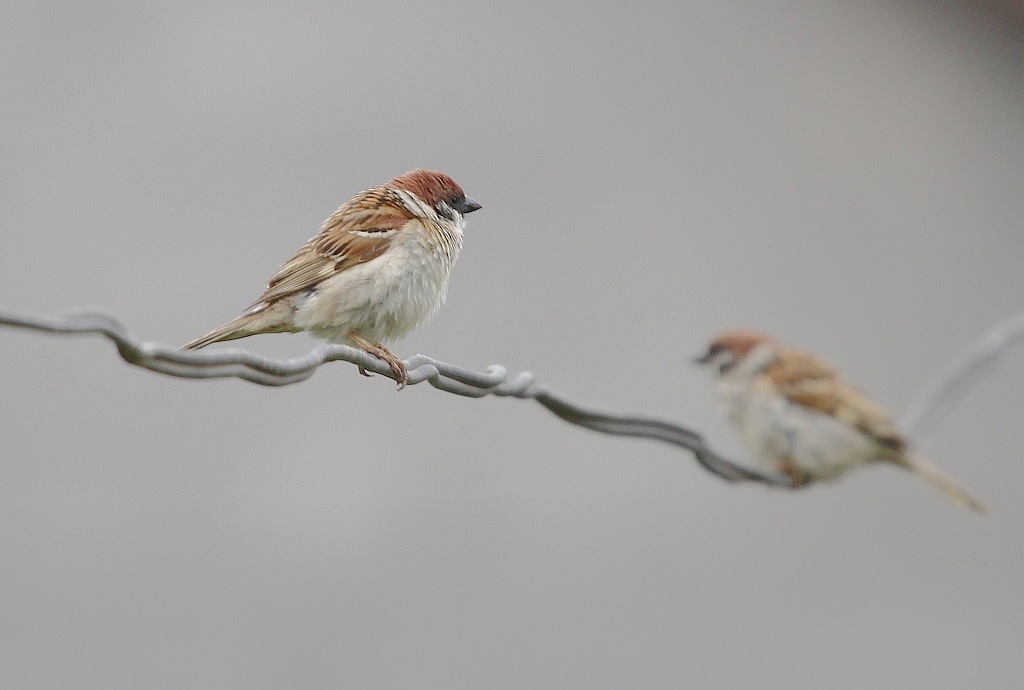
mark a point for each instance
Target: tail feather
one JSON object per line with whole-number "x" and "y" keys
{"x": 271, "y": 319}
{"x": 941, "y": 481}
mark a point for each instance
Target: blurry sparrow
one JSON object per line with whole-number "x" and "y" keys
{"x": 378, "y": 268}
{"x": 797, "y": 416}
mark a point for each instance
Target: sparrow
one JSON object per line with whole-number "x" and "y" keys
{"x": 377, "y": 269}
{"x": 799, "y": 417}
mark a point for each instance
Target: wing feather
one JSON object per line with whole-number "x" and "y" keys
{"x": 359, "y": 231}
{"x": 814, "y": 383}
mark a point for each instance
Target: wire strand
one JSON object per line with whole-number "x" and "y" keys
{"x": 266, "y": 371}
{"x": 934, "y": 400}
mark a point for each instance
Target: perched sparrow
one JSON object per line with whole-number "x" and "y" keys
{"x": 378, "y": 267}
{"x": 799, "y": 417}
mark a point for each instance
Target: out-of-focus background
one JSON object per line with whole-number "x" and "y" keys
{"x": 846, "y": 175}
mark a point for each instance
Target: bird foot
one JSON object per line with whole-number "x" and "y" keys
{"x": 397, "y": 366}
{"x": 797, "y": 477}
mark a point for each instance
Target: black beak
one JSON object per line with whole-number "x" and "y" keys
{"x": 468, "y": 205}
{"x": 703, "y": 359}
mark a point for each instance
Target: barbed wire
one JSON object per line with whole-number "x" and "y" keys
{"x": 934, "y": 400}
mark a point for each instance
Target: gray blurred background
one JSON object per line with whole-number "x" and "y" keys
{"x": 846, "y": 175}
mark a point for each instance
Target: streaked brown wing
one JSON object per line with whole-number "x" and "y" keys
{"x": 359, "y": 231}
{"x": 814, "y": 383}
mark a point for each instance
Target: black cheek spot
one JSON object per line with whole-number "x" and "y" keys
{"x": 444, "y": 211}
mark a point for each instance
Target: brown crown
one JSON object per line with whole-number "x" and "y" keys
{"x": 429, "y": 186}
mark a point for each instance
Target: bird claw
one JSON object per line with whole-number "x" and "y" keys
{"x": 399, "y": 370}
{"x": 397, "y": 366}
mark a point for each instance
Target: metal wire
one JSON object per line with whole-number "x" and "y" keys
{"x": 267, "y": 371}
{"x": 934, "y": 400}
{"x": 952, "y": 382}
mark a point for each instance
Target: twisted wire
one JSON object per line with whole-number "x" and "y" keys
{"x": 267, "y": 371}
{"x": 934, "y": 400}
